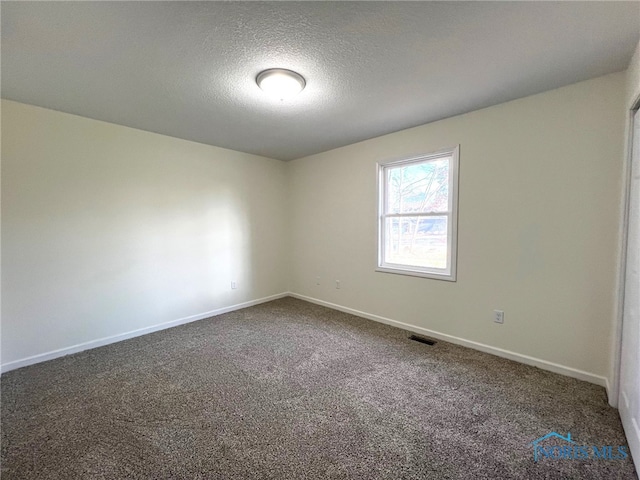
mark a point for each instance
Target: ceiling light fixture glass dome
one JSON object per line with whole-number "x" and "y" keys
{"x": 280, "y": 83}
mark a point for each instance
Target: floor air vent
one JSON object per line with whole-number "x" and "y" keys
{"x": 426, "y": 340}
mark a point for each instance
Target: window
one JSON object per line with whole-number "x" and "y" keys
{"x": 418, "y": 215}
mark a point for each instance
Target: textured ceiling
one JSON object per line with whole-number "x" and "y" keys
{"x": 187, "y": 69}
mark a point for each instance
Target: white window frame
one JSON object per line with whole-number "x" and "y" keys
{"x": 449, "y": 273}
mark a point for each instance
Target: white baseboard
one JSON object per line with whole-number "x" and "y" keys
{"x": 543, "y": 364}
{"x": 613, "y": 399}
{"x": 536, "y": 362}
{"x": 43, "y": 357}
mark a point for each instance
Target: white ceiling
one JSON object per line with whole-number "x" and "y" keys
{"x": 187, "y": 69}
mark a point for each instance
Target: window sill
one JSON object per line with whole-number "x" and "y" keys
{"x": 415, "y": 273}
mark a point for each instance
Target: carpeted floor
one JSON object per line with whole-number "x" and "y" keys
{"x": 291, "y": 390}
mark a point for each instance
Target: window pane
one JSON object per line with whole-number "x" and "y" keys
{"x": 419, "y": 187}
{"x": 416, "y": 241}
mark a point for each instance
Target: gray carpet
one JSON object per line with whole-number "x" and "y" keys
{"x": 291, "y": 390}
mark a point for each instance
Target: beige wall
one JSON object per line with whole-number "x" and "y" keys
{"x": 108, "y": 229}
{"x": 540, "y": 182}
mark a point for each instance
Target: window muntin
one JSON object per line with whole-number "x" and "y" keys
{"x": 418, "y": 215}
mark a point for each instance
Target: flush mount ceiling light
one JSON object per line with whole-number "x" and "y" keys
{"x": 280, "y": 83}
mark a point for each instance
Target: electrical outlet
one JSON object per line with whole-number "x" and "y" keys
{"x": 498, "y": 316}
{"x": 234, "y": 285}
{"x": 338, "y": 284}
{"x": 317, "y": 280}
